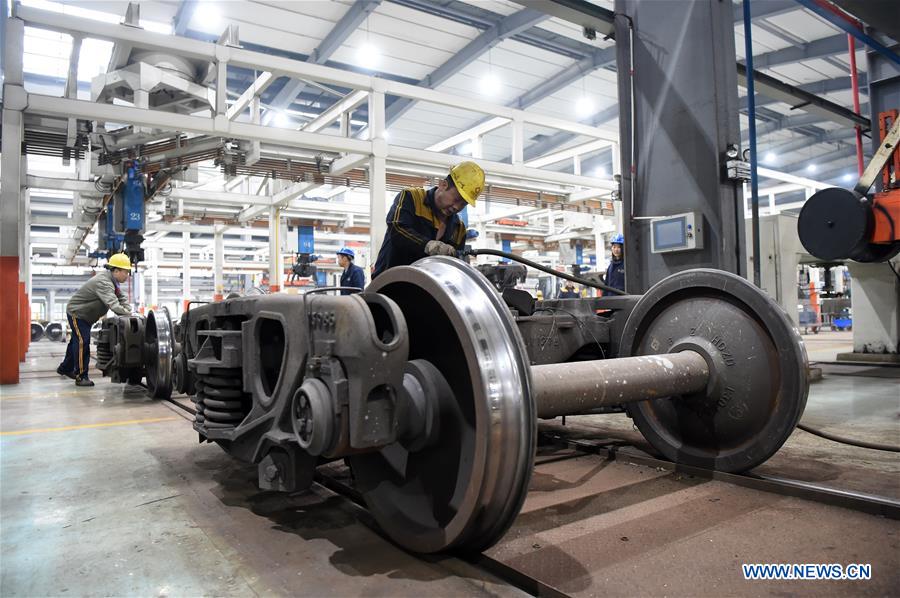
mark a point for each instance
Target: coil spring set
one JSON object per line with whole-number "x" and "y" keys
{"x": 105, "y": 350}
{"x": 220, "y": 400}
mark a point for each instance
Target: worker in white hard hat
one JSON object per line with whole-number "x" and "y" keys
{"x": 91, "y": 302}
{"x": 352, "y": 275}
{"x": 424, "y": 222}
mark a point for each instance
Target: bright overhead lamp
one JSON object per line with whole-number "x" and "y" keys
{"x": 770, "y": 158}
{"x": 847, "y": 177}
{"x": 466, "y": 148}
{"x": 282, "y": 119}
{"x": 207, "y": 15}
{"x": 584, "y": 106}
{"x": 368, "y": 56}
{"x": 600, "y": 172}
{"x": 811, "y": 168}
{"x": 490, "y": 84}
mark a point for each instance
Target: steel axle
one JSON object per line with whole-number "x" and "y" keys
{"x": 572, "y": 388}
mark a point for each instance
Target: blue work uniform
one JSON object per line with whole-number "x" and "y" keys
{"x": 353, "y": 276}
{"x": 412, "y": 222}
{"x": 615, "y": 274}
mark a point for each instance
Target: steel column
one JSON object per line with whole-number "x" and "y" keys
{"x": 186, "y": 269}
{"x": 684, "y": 117}
{"x": 11, "y": 326}
{"x": 154, "y": 279}
{"x": 751, "y": 113}
{"x": 276, "y": 266}
{"x": 377, "y": 174}
{"x": 218, "y": 261}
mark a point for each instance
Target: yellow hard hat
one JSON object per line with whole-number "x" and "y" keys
{"x": 119, "y": 260}
{"x": 469, "y": 180}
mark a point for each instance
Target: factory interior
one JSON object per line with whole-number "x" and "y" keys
{"x": 450, "y": 298}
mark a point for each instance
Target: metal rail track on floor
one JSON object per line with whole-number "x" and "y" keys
{"x": 497, "y": 568}
{"x": 857, "y": 501}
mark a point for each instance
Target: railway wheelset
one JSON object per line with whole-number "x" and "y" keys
{"x": 430, "y": 384}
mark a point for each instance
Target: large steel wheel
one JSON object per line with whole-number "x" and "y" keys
{"x": 464, "y": 489}
{"x": 160, "y": 348}
{"x": 758, "y": 384}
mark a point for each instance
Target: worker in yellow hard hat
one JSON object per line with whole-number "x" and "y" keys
{"x": 424, "y": 222}
{"x": 91, "y": 302}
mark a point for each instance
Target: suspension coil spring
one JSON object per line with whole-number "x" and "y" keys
{"x": 104, "y": 351}
{"x": 221, "y": 401}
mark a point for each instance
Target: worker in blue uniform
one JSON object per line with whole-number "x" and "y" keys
{"x": 424, "y": 222}
{"x": 352, "y": 275}
{"x": 615, "y": 272}
{"x": 569, "y": 293}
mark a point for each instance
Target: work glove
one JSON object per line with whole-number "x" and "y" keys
{"x": 439, "y": 248}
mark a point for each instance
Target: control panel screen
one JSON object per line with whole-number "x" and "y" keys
{"x": 678, "y": 232}
{"x": 669, "y": 233}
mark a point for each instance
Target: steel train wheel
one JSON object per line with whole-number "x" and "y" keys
{"x": 160, "y": 343}
{"x": 758, "y": 365}
{"x": 463, "y": 490}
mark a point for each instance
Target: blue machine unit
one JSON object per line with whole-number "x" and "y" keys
{"x": 132, "y": 217}
{"x": 125, "y": 217}
{"x": 304, "y": 267}
{"x": 506, "y": 247}
{"x": 305, "y": 239}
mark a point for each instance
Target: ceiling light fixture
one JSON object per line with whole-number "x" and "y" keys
{"x": 207, "y": 15}
{"x": 490, "y": 84}
{"x": 584, "y": 106}
{"x": 282, "y": 119}
{"x": 368, "y": 56}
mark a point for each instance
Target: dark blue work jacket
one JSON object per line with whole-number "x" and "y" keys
{"x": 412, "y": 222}
{"x": 353, "y": 277}
{"x": 615, "y": 274}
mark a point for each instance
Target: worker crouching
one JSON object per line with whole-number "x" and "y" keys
{"x": 91, "y": 302}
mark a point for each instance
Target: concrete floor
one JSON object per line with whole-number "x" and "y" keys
{"x": 105, "y": 492}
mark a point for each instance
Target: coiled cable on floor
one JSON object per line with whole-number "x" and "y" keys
{"x": 543, "y": 268}
{"x": 849, "y": 441}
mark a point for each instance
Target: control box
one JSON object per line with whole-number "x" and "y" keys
{"x": 680, "y": 232}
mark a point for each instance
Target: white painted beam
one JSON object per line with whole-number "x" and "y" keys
{"x": 348, "y": 103}
{"x": 256, "y": 88}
